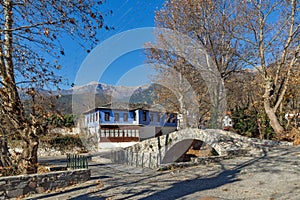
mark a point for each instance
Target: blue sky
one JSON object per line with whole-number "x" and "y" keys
{"x": 129, "y": 69}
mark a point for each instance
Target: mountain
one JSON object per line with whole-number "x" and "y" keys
{"x": 82, "y": 98}
{"x": 144, "y": 95}
{"x": 103, "y": 94}
{"x": 95, "y": 87}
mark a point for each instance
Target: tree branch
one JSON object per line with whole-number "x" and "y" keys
{"x": 27, "y": 27}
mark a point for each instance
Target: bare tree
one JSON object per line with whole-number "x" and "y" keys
{"x": 268, "y": 35}
{"x": 208, "y": 23}
{"x": 28, "y": 31}
{"x": 180, "y": 89}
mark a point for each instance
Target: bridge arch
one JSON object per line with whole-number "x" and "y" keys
{"x": 183, "y": 150}
{"x": 178, "y": 143}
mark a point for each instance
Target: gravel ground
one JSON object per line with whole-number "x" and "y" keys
{"x": 273, "y": 176}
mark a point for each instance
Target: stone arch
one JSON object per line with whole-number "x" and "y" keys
{"x": 178, "y": 152}
{"x": 177, "y": 143}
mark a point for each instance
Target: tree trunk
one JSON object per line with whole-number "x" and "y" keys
{"x": 216, "y": 110}
{"x": 278, "y": 129}
{"x": 29, "y": 161}
{"x": 183, "y": 111}
{"x": 183, "y": 122}
{"x": 5, "y": 160}
{"x": 214, "y": 117}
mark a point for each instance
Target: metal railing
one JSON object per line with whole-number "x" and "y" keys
{"x": 75, "y": 161}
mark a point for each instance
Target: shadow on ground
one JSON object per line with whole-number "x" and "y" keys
{"x": 139, "y": 186}
{"x": 179, "y": 189}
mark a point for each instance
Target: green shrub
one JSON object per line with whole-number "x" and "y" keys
{"x": 63, "y": 142}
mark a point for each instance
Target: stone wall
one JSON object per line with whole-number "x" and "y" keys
{"x": 47, "y": 150}
{"x": 66, "y": 131}
{"x": 15, "y": 186}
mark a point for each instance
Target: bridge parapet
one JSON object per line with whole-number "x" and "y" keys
{"x": 168, "y": 148}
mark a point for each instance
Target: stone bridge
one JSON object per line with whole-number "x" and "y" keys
{"x": 169, "y": 148}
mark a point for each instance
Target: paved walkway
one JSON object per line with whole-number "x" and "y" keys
{"x": 273, "y": 176}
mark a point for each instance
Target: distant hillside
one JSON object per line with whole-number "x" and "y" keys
{"x": 144, "y": 95}
{"x": 103, "y": 94}
{"x": 94, "y": 94}
{"x": 64, "y": 102}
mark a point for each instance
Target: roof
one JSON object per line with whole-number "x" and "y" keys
{"x": 129, "y": 106}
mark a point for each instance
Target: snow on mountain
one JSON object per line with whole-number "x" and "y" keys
{"x": 117, "y": 92}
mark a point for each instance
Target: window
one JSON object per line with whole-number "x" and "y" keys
{"x": 106, "y": 116}
{"x": 125, "y": 117}
{"x": 174, "y": 116}
{"x": 96, "y": 116}
{"x": 158, "y": 117}
{"x": 129, "y": 133}
{"x": 112, "y": 133}
{"x": 169, "y": 118}
{"x": 102, "y": 133}
{"x": 151, "y": 117}
{"x": 117, "y": 117}
{"x": 144, "y": 116}
{"x": 134, "y": 116}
